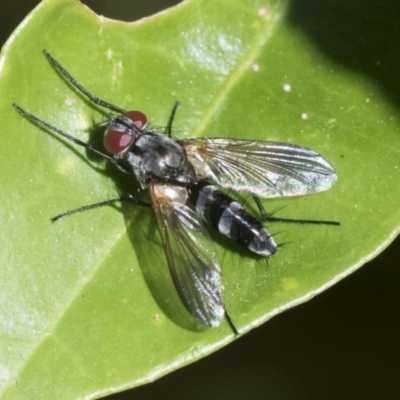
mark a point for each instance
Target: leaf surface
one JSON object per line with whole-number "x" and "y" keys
{"x": 87, "y": 308}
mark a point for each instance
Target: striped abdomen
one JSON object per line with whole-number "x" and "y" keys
{"x": 231, "y": 219}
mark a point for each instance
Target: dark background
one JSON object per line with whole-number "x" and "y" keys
{"x": 345, "y": 343}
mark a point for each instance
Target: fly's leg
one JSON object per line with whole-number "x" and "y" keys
{"x": 101, "y": 204}
{"x": 171, "y": 119}
{"x": 268, "y": 217}
{"x": 231, "y": 324}
{"x": 75, "y": 83}
{"x": 58, "y": 131}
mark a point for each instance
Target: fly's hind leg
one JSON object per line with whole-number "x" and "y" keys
{"x": 268, "y": 217}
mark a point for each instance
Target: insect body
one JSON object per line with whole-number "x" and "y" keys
{"x": 183, "y": 178}
{"x": 162, "y": 165}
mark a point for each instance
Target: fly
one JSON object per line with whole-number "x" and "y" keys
{"x": 184, "y": 178}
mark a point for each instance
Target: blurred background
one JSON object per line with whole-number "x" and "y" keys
{"x": 345, "y": 343}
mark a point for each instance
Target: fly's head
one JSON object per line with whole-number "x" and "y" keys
{"x": 124, "y": 130}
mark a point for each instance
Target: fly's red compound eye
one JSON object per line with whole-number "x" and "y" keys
{"x": 116, "y": 141}
{"x": 138, "y": 118}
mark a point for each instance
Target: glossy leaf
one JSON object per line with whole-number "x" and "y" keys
{"x": 87, "y": 308}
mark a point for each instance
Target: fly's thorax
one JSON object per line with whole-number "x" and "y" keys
{"x": 154, "y": 155}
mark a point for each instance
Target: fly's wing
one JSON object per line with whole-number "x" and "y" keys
{"x": 190, "y": 253}
{"x": 266, "y": 169}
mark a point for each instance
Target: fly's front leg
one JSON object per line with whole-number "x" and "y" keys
{"x": 83, "y": 90}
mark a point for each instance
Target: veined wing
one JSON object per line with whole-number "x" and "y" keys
{"x": 267, "y": 169}
{"x": 190, "y": 253}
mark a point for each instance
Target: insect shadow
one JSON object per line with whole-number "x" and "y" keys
{"x": 142, "y": 231}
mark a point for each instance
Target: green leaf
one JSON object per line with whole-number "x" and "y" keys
{"x": 86, "y": 305}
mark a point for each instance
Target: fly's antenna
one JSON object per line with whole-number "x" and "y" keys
{"x": 75, "y": 83}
